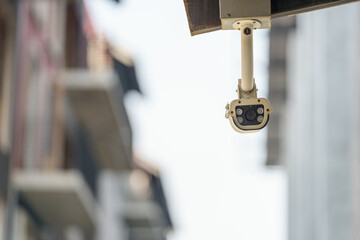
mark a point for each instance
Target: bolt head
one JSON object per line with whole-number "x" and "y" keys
{"x": 247, "y": 31}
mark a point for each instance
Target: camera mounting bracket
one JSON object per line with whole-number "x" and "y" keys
{"x": 246, "y": 85}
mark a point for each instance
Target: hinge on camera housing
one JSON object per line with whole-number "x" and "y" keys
{"x": 243, "y": 94}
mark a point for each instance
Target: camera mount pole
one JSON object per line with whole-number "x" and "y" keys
{"x": 246, "y": 86}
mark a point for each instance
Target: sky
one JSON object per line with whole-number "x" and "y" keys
{"x": 216, "y": 182}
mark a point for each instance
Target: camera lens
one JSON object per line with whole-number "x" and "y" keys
{"x": 250, "y": 115}
{"x": 260, "y": 118}
{"x": 260, "y": 110}
{"x": 240, "y": 119}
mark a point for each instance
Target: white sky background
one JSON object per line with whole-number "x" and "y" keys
{"x": 216, "y": 184}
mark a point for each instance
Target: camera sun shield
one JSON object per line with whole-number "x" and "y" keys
{"x": 248, "y": 115}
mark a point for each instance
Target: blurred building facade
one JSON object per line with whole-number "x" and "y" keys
{"x": 319, "y": 125}
{"x": 281, "y": 30}
{"x": 63, "y": 126}
{"x": 7, "y": 53}
{"x": 322, "y": 139}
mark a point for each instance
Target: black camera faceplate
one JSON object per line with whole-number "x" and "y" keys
{"x": 247, "y": 115}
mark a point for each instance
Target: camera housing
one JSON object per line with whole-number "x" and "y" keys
{"x": 248, "y": 114}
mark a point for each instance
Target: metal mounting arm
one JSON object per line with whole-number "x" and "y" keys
{"x": 247, "y": 85}
{"x": 247, "y": 58}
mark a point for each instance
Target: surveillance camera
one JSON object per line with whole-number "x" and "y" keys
{"x": 248, "y": 114}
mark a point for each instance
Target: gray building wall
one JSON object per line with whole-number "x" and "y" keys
{"x": 281, "y": 29}
{"x": 321, "y": 143}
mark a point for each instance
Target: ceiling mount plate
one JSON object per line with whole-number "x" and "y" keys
{"x": 240, "y": 24}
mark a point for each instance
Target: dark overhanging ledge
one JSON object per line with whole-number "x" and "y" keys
{"x": 204, "y": 15}
{"x": 281, "y": 8}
